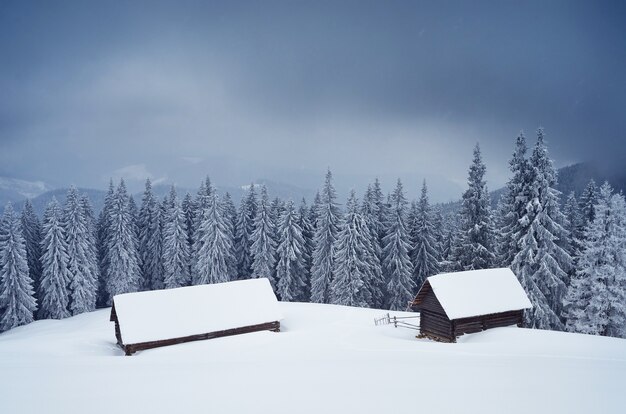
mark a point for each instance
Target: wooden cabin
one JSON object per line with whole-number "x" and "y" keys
{"x": 152, "y": 319}
{"x": 453, "y": 304}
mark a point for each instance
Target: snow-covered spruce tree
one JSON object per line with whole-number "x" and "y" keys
{"x": 512, "y": 204}
{"x": 215, "y": 256}
{"x": 307, "y": 235}
{"x": 150, "y": 240}
{"x": 425, "y": 253}
{"x": 317, "y": 202}
{"x": 352, "y": 272}
{"x": 371, "y": 211}
{"x": 103, "y": 233}
{"x": 244, "y": 230}
{"x": 134, "y": 216}
{"x": 291, "y": 264}
{"x": 122, "y": 257}
{"x": 230, "y": 213}
{"x": 397, "y": 266}
{"x": 263, "y": 245}
{"x": 380, "y": 208}
{"x": 17, "y": 297}
{"x": 201, "y": 204}
{"x": 475, "y": 248}
{"x": 230, "y": 210}
{"x": 83, "y": 282}
{"x": 55, "y": 275}
{"x": 327, "y": 227}
{"x": 573, "y": 225}
{"x": 189, "y": 210}
{"x": 87, "y": 211}
{"x": 541, "y": 263}
{"x": 438, "y": 231}
{"x": 596, "y": 299}
{"x": 588, "y": 199}
{"x": 31, "y": 230}
{"x": 176, "y": 254}
{"x": 277, "y": 208}
{"x": 448, "y": 239}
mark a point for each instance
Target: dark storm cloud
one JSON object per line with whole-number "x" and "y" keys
{"x": 167, "y": 90}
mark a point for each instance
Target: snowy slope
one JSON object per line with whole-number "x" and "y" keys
{"x": 328, "y": 359}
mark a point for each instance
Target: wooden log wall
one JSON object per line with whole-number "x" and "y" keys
{"x": 482, "y": 322}
{"x": 435, "y": 323}
{"x": 130, "y": 349}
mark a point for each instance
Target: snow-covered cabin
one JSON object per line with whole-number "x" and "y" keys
{"x": 151, "y": 319}
{"x": 453, "y": 304}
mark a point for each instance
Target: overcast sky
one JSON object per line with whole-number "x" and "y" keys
{"x": 283, "y": 90}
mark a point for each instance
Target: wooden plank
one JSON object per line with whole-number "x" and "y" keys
{"x": 130, "y": 349}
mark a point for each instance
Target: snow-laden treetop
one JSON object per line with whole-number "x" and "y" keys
{"x": 479, "y": 292}
{"x": 175, "y": 313}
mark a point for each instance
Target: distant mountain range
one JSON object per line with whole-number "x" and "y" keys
{"x": 17, "y": 191}
{"x": 571, "y": 178}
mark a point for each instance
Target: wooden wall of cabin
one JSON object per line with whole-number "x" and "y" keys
{"x": 436, "y": 326}
{"x": 433, "y": 319}
{"x": 482, "y": 322}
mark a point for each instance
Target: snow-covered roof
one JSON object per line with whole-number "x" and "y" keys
{"x": 479, "y": 292}
{"x": 175, "y": 313}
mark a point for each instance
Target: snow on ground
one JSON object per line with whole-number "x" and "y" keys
{"x": 327, "y": 359}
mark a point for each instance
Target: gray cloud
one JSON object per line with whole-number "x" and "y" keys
{"x": 267, "y": 89}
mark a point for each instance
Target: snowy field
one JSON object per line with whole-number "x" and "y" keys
{"x": 327, "y": 359}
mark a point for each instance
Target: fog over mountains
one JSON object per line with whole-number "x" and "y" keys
{"x": 571, "y": 178}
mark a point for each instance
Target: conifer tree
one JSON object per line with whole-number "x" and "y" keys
{"x": 425, "y": 249}
{"x": 189, "y": 210}
{"x": 87, "y": 211}
{"x": 596, "y": 299}
{"x": 317, "y": 202}
{"x": 103, "y": 235}
{"x": 573, "y": 225}
{"x": 512, "y": 205}
{"x": 379, "y": 207}
{"x": 31, "y": 230}
{"x": 230, "y": 213}
{"x": 541, "y": 264}
{"x": 328, "y": 217}
{"x": 307, "y": 254}
{"x": 475, "y": 248}
{"x": 449, "y": 241}
{"x": 291, "y": 265}
{"x": 215, "y": 255}
{"x": 277, "y": 208}
{"x": 122, "y": 256}
{"x": 150, "y": 240}
{"x": 17, "y": 297}
{"x": 588, "y": 200}
{"x": 352, "y": 272}
{"x": 202, "y": 206}
{"x": 373, "y": 213}
{"x": 176, "y": 253}
{"x": 263, "y": 245}
{"x": 134, "y": 215}
{"x": 230, "y": 210}
{"x": 396, "y": 262}
{"x": 83, "y": 282}
{"x": 54, "y": 263}
{"x": 438, "y": 233}
{"x": 244, "y": 230}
